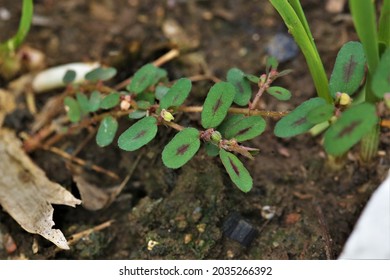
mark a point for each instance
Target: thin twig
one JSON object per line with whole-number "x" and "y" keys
{"x": 176, "y": 126}
{"x": 200, "y": 77}
{"x": 233, "y": 110}
{"x": 172, "y": 54}
{"x": 77, "y": 236}
{"x": 81, "y": 162}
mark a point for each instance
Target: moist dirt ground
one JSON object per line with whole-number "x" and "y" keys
{"x": 193, "y": 212}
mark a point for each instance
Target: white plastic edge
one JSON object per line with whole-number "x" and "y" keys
{"x": 51, "y": 78}
{"x": 370, "y": 238}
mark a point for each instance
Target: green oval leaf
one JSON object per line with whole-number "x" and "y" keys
{"x": 137, "y": 114}
{"x": 72, "y": 109}
{"x": 110, "y": 101}
{"x": 353, "y": 124}
{"x": 296, "y": 122}
{"x": 69, "y": 77}
{"x": 252, "y": 78}
{"x": 211, "y": 149}
{"x": 217, "y": 103}
{"x": 106, "y": 132}
{"x": 160, "y": 92}
{"x": 138, "y": 135}
{"x": 146, "y": 96}
{"x": 279, "y": 93}
{"x": 271, "y": 64}
{"x": 381, "y": 77}
{"x": 246, "y": 128}
{"x": 100, "y": 74}
{"x": 145, "y": 77}
{"x": 143, "y": 105}
{"x": 94, "y": 101}
{"x": 348, "y": 71}
{"x": 320, "y": 114}
{"x": 228, "y": 122}
{"x": 182, "y": 148}
{"x": 83, "y": 101}
{"x": 241, "y": 84}
{"x": 177, "y": 94}
{"x": 236, "y": 170}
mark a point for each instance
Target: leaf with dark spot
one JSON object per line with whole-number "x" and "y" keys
{"x": 110, "y": 101}
{"x": 138, "y": 135}
{"x": 145, "y": 77}
{"x": 243, "y": 89}
{"x": 381, "y": 77}
{"x": 246, "y": 128}
{"x": 217, "y": 103}
{"x": 321, "y": 114}
{"x": 296, "y": 122}
{"x": 279, "y": 93}
{"x": 353, "y": 124}
{"x": 228, "y": 122}
{"x": 236, "y": 170}
{"x": 348, "y": 71}
{"x": 177, "y": 94}
{"x": 181, "y": 148}
{"x": 106, "y": 132}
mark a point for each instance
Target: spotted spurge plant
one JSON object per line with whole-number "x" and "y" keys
{"x": 230, "y": 115}
{"x": 151, "y": 101}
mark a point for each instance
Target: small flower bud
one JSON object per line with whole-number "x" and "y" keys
{"x": 125, "y": 105}
{"x": 216, "y": 137}
{"x": 345, "y": 99}
{"x": 167, "y": 116}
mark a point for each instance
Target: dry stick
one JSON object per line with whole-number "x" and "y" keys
{"x": 77, "y": 236}
{"x": 80, "y": 161}
{"x": 201, "y": 77}
{"x": 176, "y": 126}
{"x": 325, "y": 232}
{"x": 245, "y": 111}
{"x": 166, "y": 57}
{"x": 263, "y": 87}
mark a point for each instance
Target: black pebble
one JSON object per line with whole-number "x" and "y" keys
{"x": 236, "y": 228}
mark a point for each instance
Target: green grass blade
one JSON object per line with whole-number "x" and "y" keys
{"x": 297, "y": 29}
{"x": 384, "y": 24}
{"x": 296, "y": 5}
{"x": 24, "y": 26}
{"x": 363, "y": 14}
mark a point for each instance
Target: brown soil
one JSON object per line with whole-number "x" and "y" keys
{"x": 316, "y": 205}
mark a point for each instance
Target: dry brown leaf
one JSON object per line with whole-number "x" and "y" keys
{"x": 95, "y": 198}
{"x": 27, "y": 194}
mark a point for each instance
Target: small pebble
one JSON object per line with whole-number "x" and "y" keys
{"x": 283, "y": 47}
{"x": 268, "y": 212}
{"x": 236, "y": 228}
{"x": 152, "y": 244}
{"x": 187, "y": 238}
